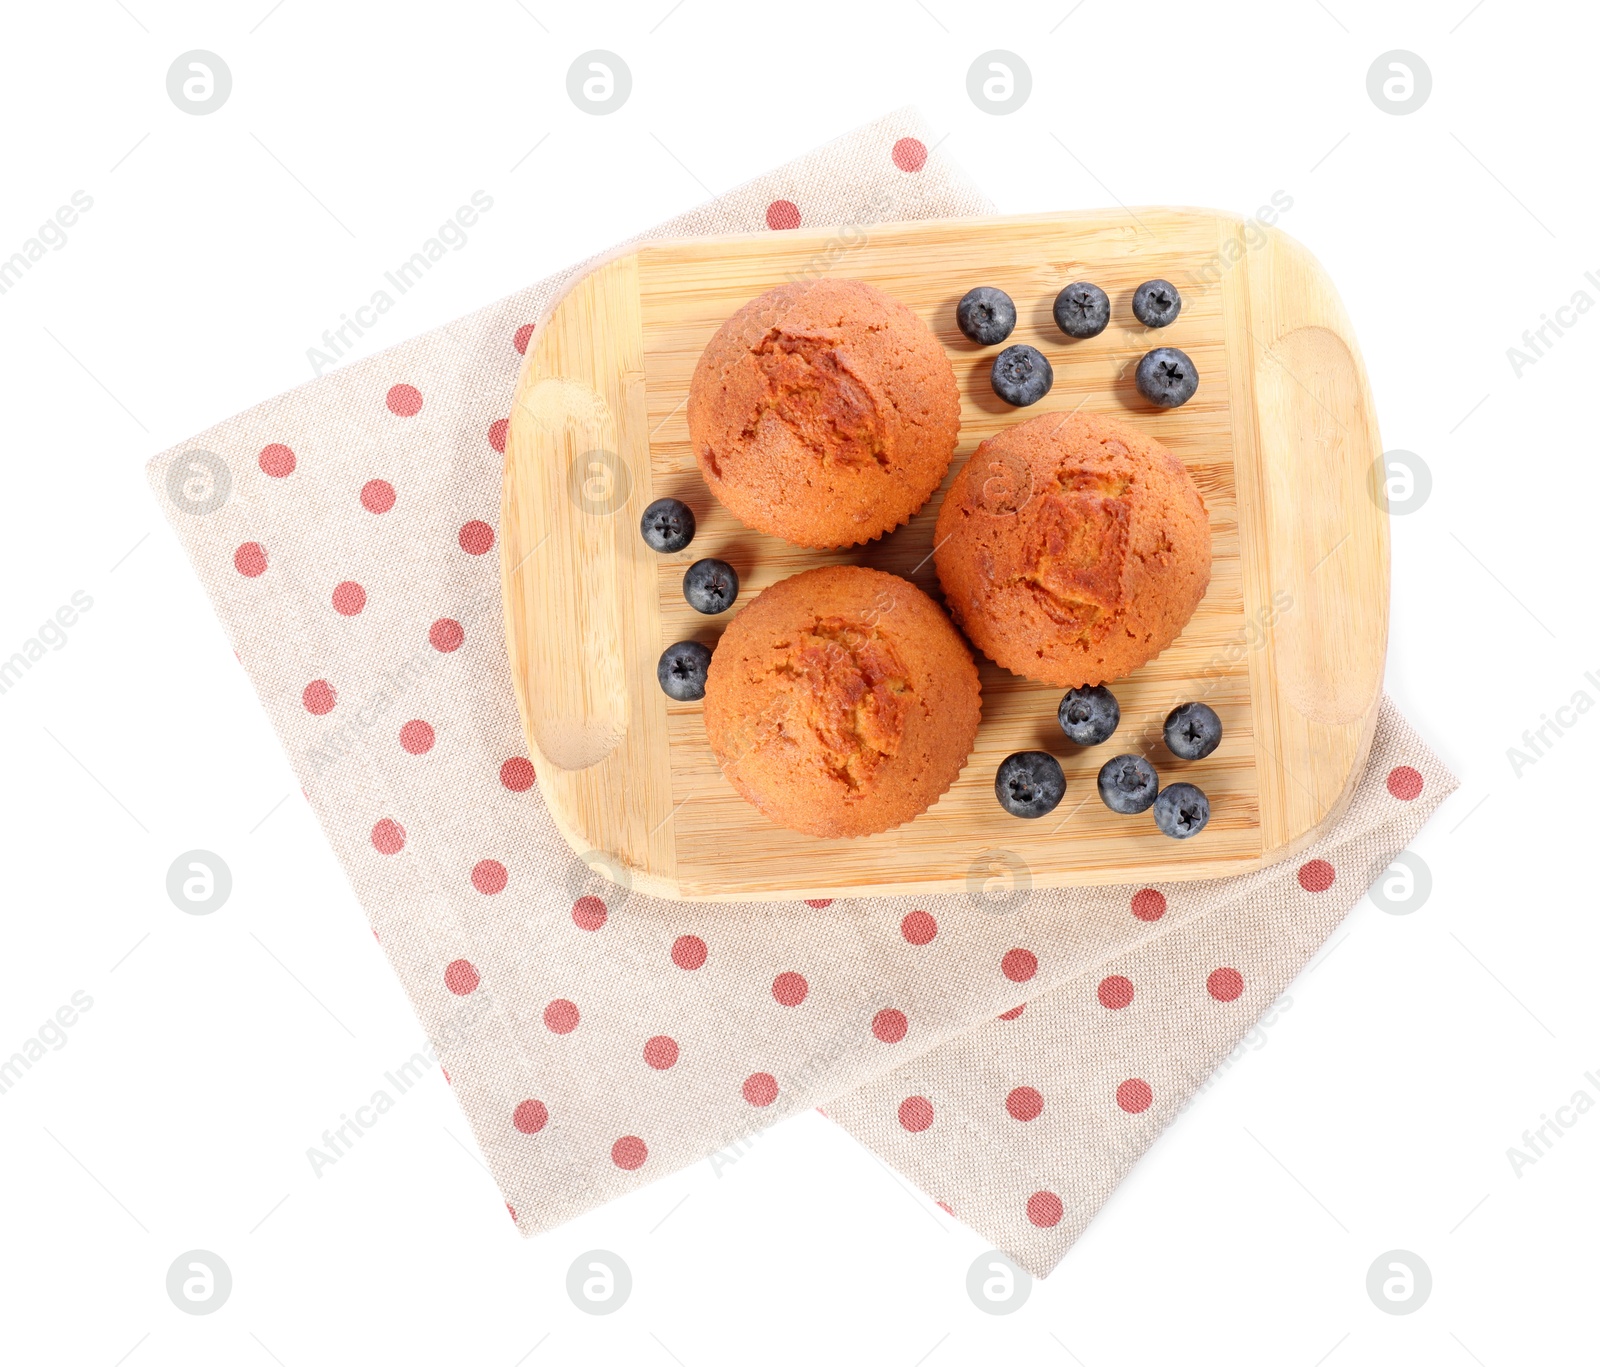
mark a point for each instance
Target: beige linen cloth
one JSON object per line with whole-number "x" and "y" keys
{"x": 1013, "y": 1057}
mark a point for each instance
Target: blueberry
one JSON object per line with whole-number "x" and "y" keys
{"x": 1192, "y": 731}
{"x": 681, "y": 671}
{"x": 1021, "y": 375}
{"x": 1089, "y": 715}
{"x": 1128, "y": 784}
{"x": 667, "y": 525}
{"x": 1082, "y": 310}
{"x": 1182, "y": 810}
{"x": 986, "y": 315}
{"x": 1156, "y": 303}
{"x": 1166, "y": 377}
{"x": 710, "y": 586}
{"x": 1029, "y": 783}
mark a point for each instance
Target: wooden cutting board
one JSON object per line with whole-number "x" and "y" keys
{"x": 1288, "y": 645}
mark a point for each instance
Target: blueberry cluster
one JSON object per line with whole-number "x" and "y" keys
{"x": 1022, "y": 375}
{"x": 1030, "y": 783}
{"x": 709, "y": 586}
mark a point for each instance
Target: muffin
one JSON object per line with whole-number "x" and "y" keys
{"x": 1072, "y": 549}
{"x": 841, "y": 702}
{"x": 823, "y": 412}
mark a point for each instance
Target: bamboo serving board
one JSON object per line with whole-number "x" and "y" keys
{"x": 1288, "y": 644}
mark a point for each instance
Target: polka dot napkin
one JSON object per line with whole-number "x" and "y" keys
{"x": 1014, "y": 1063}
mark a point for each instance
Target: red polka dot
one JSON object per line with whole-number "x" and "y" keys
{"x": 1044, "y": 1209}
{"x": 820, "y": 902}
{"x": 889, "y": 1025}
{"x": 688, "y": 951}
{"x": 250, "y": 559}
{"x": 1405, "y": 782}
{"x": 404, "y": 400}
{"x": 1316, "y": 876}
{"x": 790, "y": 989}
{"x": 1013, "y": 1013}
{"x": 529, "y": 1117}
{"x": 942, "y": 1206}
{"x": 513, "y": 1210}
{"x": 349, "y": 598}
{"x": 519, "y": 338}
{"x": 276, "y": 460}
{"x": 1225, "y": 984}
{"x": 916, "y": 1114}
{"x": 1115, "y": 992}
{"x": 910, "y": 154}
{"x": 783, "y": 213}
{"x": 461, "y": 977}
{"x": 1134, "y": 1095}
{"x": 1149, "y": 905}
{"x": 588, "y": 913}
{"x": 919, "y": 928}
{"x": 1024, "y": 1103}
{"x": 476, "y": 537}
{"x": 1019, "y": 965}
{"x": 517, "y": 774}
{"x": 319, "y": 697}
{"x": 661, "y": 1051}
{"x": 446, "y": 635}
{"x": 629, "y": 1152}
{"x": 760, "y": 1089}
{"x": 388, "y": 837}
{"x": 561, "y": 1017}
{"x": 489, "y": 876}
{"x": 377, "y": 496}
{"x": 416, "y": 737}
{"x": 497, "y": 433}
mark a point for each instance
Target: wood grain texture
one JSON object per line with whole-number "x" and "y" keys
{"x": 1287, "y": 645}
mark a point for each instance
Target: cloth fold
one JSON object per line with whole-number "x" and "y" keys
{"x": 598, "y": 1039}
{"x": 1023, "y": 1126}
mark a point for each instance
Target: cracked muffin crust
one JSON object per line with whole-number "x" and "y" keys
{"x": 1072, "y": 550}
{"x": 823, "y": 412}
{"x": 841, "y": 702}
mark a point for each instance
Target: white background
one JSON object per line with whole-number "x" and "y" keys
{"x": 1376, "y": 1113}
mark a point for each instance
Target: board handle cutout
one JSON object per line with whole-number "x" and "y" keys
{"x": 567, "y": 484}
{"x": 1319, "y": 570}
{"x": 1328, "y": 533}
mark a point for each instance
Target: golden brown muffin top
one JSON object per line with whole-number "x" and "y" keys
{"x": 823, "y": 412}
{"x": 841, "y": 701}
{"x": 808, "y": 385}
{"x": 1072, "y": 549}
{"x": 850, "y": 688}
